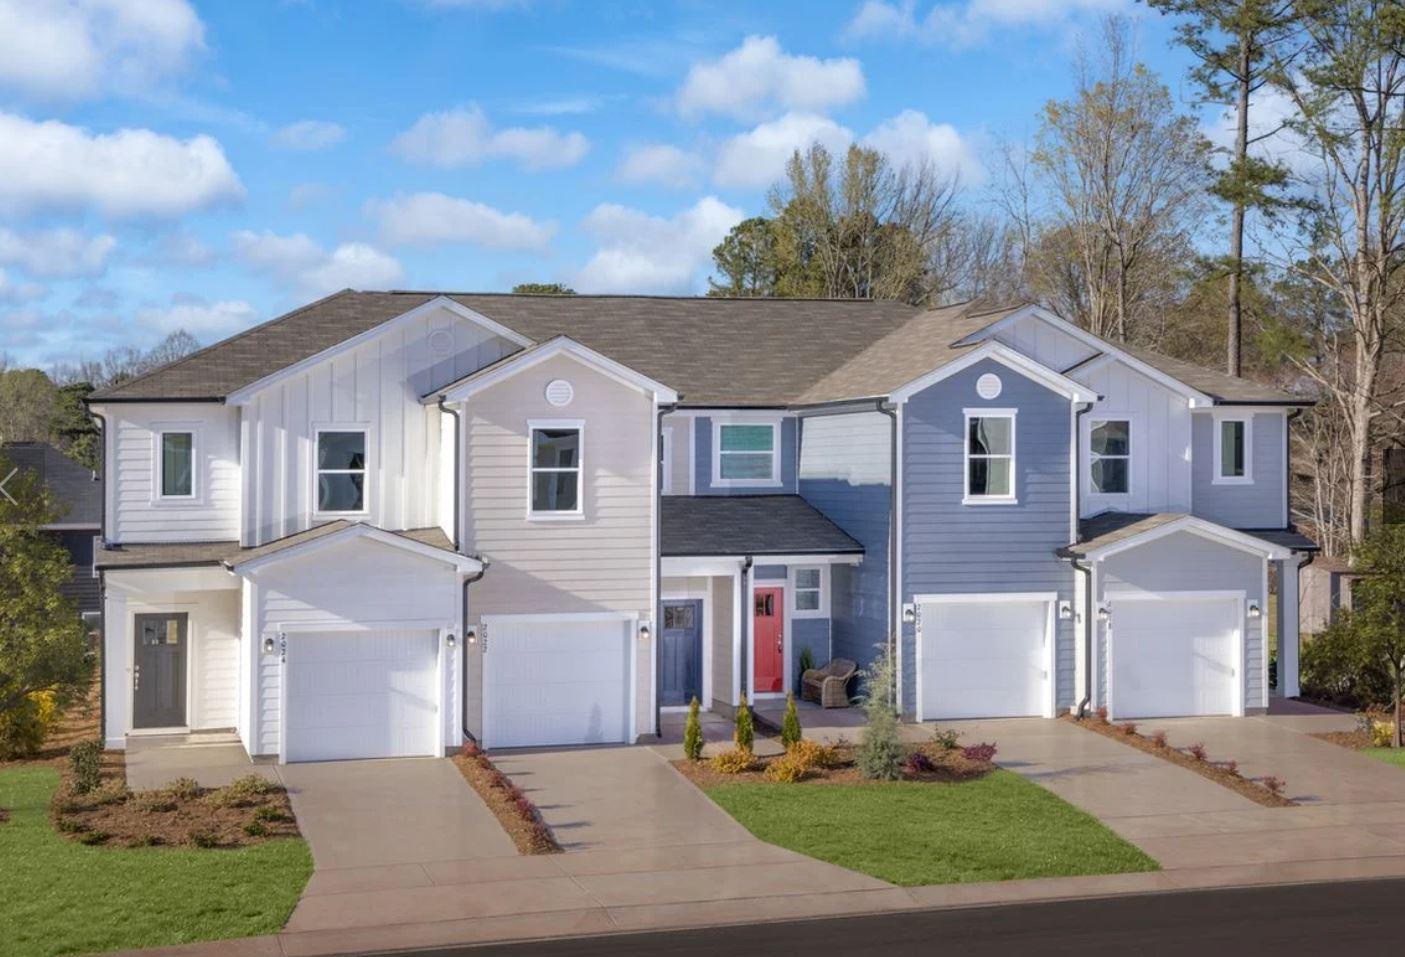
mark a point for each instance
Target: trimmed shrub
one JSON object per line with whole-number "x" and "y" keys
{"x": 85, "y": 761}
{"x": 734, "y": 761}
{"x": 984, "y": 753}
{"x": 917, "y": 762}
{"x": 241, "y": 792}
{"x": 789, "y": 768}
{"x": 1334, "y": 666}
{"x": 881, "y": 752}
{"x": 692, "y": 732}
{"x": 24, "y": 727}
{"x": 790, "y": 724}
{"x": 744, "y": 731}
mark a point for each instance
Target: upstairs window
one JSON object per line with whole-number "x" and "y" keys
{"x": 990, "y": 457}
{"x": 341, "y": 471}
{"x": 556, "y": 470}
{"x": 1232, "y": 444}
{"x": 1110, "y": 456}
{"x": 746, "y": 454}
{"x": 177, "y": 465}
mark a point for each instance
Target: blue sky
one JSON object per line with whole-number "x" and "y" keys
{"x": 179, "y": 163}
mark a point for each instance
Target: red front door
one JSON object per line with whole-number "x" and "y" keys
{"x": 768, "y": 639}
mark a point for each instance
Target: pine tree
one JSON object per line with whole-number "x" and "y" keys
{"x": 790, "y": 726}
{"x": 744, "y": 734}
{"x": 692, "y": 733}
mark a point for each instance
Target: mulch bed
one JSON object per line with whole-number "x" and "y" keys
{"x": 1355, "y": 740}
{"x": 516, "y": 813}
{"x": 1215, "y": 771}
{"x": 250, "y": 811}
{"x": 951, "y": 767}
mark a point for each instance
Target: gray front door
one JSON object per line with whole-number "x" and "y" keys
{"x": 158, "y": 671}
{"x": 680, "y": 652}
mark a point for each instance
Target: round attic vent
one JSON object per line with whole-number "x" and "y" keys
{"x": 441, "y": 342}
{"x": 559, "y": 392}
{"x": 989, "y": 386}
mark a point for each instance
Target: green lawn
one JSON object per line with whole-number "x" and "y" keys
{"x": 59, "y": 897}
{"x": 997, "y": 828}
{"x": 1395, "y": 756}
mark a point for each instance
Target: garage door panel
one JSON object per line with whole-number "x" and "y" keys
{"x": 1175, "y": 656}
{"x": 985, "y": 659}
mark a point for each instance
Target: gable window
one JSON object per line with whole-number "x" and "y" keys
{"x": 556, "y": 469}
{"x": 1110, "y": 456}
{"x": 177, "y": 465}
{"x": 990, "y": 456}
{"x": 808, "y": 590}
{"x": 1233, "y": 441}
{"x": 746, "y": 454}
{"x": 341, "y": 471}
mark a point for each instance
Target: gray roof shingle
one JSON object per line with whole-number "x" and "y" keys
{"x": 75, "y": 489}
{"x": 749, "y": 525}
{"x": 175, "y": 554}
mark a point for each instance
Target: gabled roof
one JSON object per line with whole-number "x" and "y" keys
{"x": 509, "y": 365}
{"x": 1109, "y": 532}
{"x": 74, "y": 488}
{"x": 706, "y": 525}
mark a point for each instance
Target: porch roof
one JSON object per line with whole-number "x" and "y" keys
{"x": 1102, "y": 531}
{"x": 179, "y": 554}
{"x": 706, "y": 525}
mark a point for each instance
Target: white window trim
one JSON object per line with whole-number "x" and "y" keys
{"x": 1133, "y": 428}
{"x": 1216, "y": 478}
{"x": 578, "y": 513}
{"x": 365, "y": 431}
{"x": 795, "y": 610}
{"x": 774, "y": 422}
{"x": 966, "y": 497}
{"x": 159, "y": 434}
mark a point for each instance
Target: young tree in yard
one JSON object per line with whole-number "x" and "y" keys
{"x": 43, "y": 645}
{"x": 1347, "y": 87}
{"x": 1234, "y": 40}
{"x": 881, "y": 751}
{"x": 1378, "y": 609}
{"x": 1126, "y": 175}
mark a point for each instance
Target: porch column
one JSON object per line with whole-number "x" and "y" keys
{"x": 739, "y": 606}
{"x": 116, "y": 670}
{"x": 1288, "y": 627}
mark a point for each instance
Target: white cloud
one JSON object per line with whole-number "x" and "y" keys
{"x": 206, "y": 321}
{"x": 1269, "y": 109}
{"x": 641, "y": 253}
{"x": 758, "y": 78}
{"x": 131, "y": 172}
{"x": 56, "y": 252}
{"x": 75, "y": 49}
{"x": 910, "y": 139}
{"x": 308, "y": 135}
{"x": 300, "y": 264}
{"x": 13, "y": 291}
{"x": 967, "y": 23}
{"x": 757, "y": 158}
{"x": 661, "y": 165}
{"x": 464, "y": 137}
{"x": 427, "y": 219}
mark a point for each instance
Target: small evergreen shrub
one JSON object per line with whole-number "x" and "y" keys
{"x": 153, "y": 802}
{"x": 692, "y": 732}
{"x": 256, "y": 828}
{"x": 241, "y": 792}
{"x": 85, "y": 761}
{"x": 807, "y": 660}
{"x": 790, "y": 724}
{"x": 983, "y": 753}
{"x": 946, "y": 738}
{"x": 744, "y": 731}
{"x": 271, "y": 815}
{"x": 112, "y": 792}
{"x": 881, "y": 751}
{"x": 94, "y": 838}
{"x": 183, "y": 789}
{"x": 204, "y": 839}
{"x": 734, "y": 761}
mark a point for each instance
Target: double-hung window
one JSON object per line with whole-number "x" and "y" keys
{"x": 341, "y": 471}
{"x": 177, "y": 465}
{"x": 747, "y": 454}
{"x": 1110, "y": 456}
{"x": 556, "y": 469}
{"x": 809, "y": 591}
{"x": 990, "y": 456}
{"x": 1233, "y": 441}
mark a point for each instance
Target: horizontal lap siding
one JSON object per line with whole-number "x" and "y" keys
{"x": 702, "y": 460}
{"x": 1258, "y": 504}
{"x": 216, "y": 645}
{"x": 948, "y": 547}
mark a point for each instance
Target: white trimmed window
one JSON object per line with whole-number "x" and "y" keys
{"x": 556, "y": 469}
{"x": 1110, "y": 456}
{"x": 341, "y": 471}
{"x": 990, "y": 456}
{"x": 175, "y": 464}
{"x": 1234, "y": 439}
{"x": 746, "y": 453}
{"x": 809, "y": 591}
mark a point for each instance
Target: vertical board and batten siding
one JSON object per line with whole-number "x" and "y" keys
{"x": 362, "y": 583}
{"x": 1160, "y": 441}
{"x": 724, "y": 613}
{"x": 1186, "y": 562}
{"x": 1258, "y": 504}
{"x": 215, "y": 639}
{"x": 1045, "y": 344}
{"x": 134, "y": 511}
{"x": 599, "y": 563}
{"x": 680, "y": 462}
{"x": 702, "y": 460}
{"x": 376, "y": 385}
{"x": 845, "y": 466}
{"x": 951, "y": 548}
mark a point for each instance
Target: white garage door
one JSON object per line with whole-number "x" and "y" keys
{"x": 362, "y": 694}
{"x": 1174, "y": 656}
{"x": 556, "y": 682}
{"x": 985, "y": 658}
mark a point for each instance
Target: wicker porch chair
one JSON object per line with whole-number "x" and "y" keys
{"x": 828, "y": 686}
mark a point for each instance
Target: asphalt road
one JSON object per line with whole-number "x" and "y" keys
{"x": 1323, "y": 919}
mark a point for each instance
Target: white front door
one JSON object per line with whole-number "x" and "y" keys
{"x": 361, "y": 694}
{"x": 557, "y": 681}
{"x": 985, "y": 657}
{"x": 1175, "y": 656}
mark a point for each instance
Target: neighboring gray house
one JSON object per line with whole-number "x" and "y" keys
{"x": 388, "y": 520}
{"x": 78, "y": 494}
